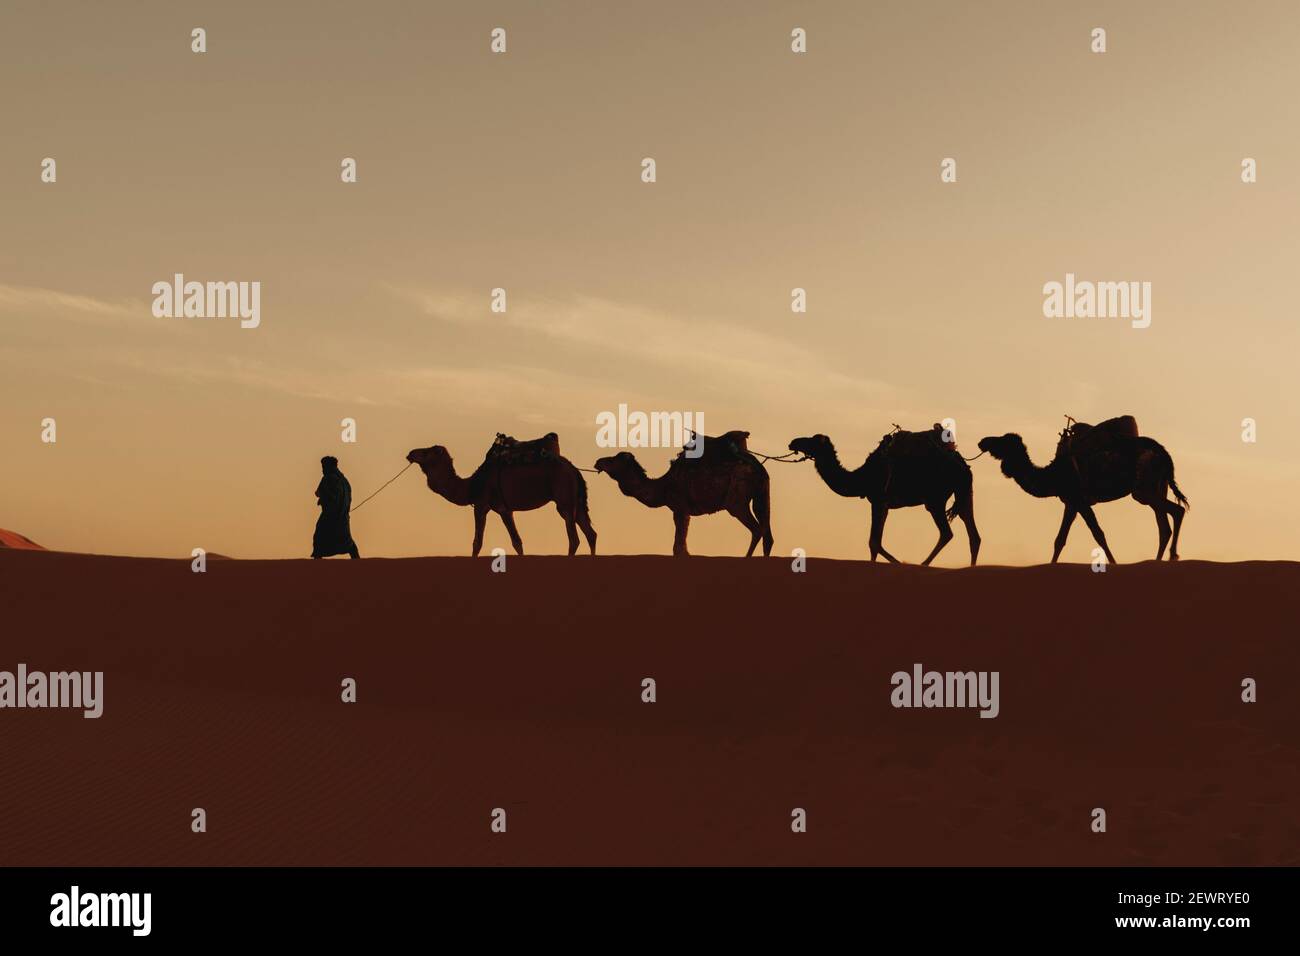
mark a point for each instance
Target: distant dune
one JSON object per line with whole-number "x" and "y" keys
{"x": 12, "y": 539}
{"x": 523, "y": 691}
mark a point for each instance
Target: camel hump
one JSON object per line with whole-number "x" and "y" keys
{"x": 1125, "y": 426}
{"x": 1081, "y": 439}
{"x": 506, "y": 450}
{"x": 899, "y": 442}
{"x": 728, "y": 447}
{"x": 937, "y": 432}
{"x": 737, "y": 439}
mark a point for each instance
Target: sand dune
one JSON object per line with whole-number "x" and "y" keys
{"x": 523, "y": 691}
{"x": 12, "y": 539}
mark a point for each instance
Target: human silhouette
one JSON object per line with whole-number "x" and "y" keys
{"x": 334, "y": 495}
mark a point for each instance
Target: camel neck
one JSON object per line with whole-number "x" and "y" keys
{"x": 451, "y": 486}
{"x": 850, "y": 484}
{"x": 1039, "y": 482}
{"x": 648, "y": 491}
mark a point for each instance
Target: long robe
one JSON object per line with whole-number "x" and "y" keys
{"x": 333, "y": 533}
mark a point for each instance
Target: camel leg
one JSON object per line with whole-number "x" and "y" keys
{"x": 508, "y": 519}
{"x": 1067, "y": 519}
{"x": 480, "y": 520}
{"x": 967, "y": 515}
{"x": 581, "y": 515}
{"x": 1100, "y": 536}
{"x": 763, "y": 512}
{"x": 570, "y": 526}
{"x": 681, "y": 522}
{"x": 1176, "y": 511}
{"x": 1162, "y": 526}
{"x": 945, "y": 532}
{"x": 584, "y": 522}
{"x": 1155, "y": 499}
{"x": 878, "y": 515}
{"x": 740, "y": 511}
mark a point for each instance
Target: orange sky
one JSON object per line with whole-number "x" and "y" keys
{"x": 522, "y": 171}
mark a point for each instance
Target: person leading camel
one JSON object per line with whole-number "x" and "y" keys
{"x": 333, "y": 529}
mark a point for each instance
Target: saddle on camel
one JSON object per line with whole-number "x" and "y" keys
{"x": 709, "y": 474}
{"x": 511, "y": 451}
{"x": 900, "y": 444}
{"x": 727, "y": 449}
{"x": 507, "y": 452}
{"x": 723, "y": 465}
{"x": 1098, "y": 448}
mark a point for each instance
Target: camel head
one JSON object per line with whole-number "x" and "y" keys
{"x": 430, "y": 460}
{"x": 620, "y": 466}
{"x": 1005, "y": 446}
{"x": 812, "y": 446}
{"x": 1008, "y": 449}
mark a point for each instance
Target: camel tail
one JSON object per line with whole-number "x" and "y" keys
{"x": 1178, "y": 492}
{"x": 582, "y": 497}
{"x": 1168, "y": 459}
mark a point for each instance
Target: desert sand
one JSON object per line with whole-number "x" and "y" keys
{"x": 522, "y": 691}
{"x": 12, "y": 539}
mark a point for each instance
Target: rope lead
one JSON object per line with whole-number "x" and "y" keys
{"x": 384, "y": 485}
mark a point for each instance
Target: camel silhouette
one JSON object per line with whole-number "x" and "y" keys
{"x": 727, "y": 478}
{"x": 905, "y": 470}
{"x": 1096, "y": 463}
{"x": 507, "y": 487}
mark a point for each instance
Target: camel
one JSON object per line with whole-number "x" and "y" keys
{"x": 905, "y": 470}
{"x": 506, "y": 488}
{"x": 728, "y": 479}
{"x": 1093, "y": 464}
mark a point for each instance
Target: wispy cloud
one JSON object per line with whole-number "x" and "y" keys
{"x": 573, "y": 358}
{"x": 247, "y": 373}
{"x": 716, "y": 350}
{"x": 51, "y": 302}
